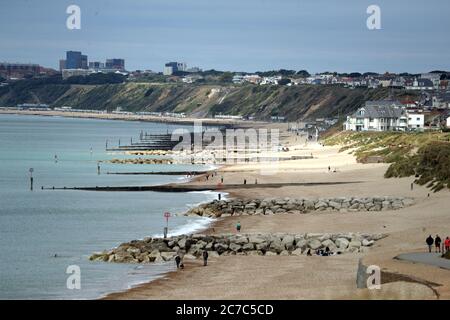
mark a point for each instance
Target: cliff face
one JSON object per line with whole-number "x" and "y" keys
{"x": 294, "y": 103}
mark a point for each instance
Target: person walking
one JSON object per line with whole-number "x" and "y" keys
{"x": 430, "y": 242}
{"x": 447, "y": 244}
{"x": 221, "y": 179}
{"x": 238, "y": 226}
{"x": 437, "y": 244}
{"x": 205, "y": 258}
{"x": 178, "y": 261}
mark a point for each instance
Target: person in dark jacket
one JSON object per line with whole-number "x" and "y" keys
{"x": 205, "y": 258}
{"x": 437, "y": 243}
{"x": 177, "y": 261}
{"x": 430, "y": 242}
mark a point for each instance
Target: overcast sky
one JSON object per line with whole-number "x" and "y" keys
{"x": 235, "y": 35}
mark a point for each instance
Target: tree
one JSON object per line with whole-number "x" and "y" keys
{"x": 303, "y": 73}
{"x": 368, "y": 74}
{"x": 97, "y": 78}
{"x": 226, "y": 77}
{"x": 284, "y": 81}
{"x": 355, "y": 75}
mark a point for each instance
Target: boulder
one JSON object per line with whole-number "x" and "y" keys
{"x": 184, "y": 243}
{"x": 335, "y": 205}
{"x": 354, "y": 244}
{"x": 342, "y": 243}
{"x": 220, "y": 247}
{"x": 367, "y": 243}
{"x": 314, "y": 244}
{"x": 408, "y": 202}
{"x": 256, "y": 239}
{"x": 134, "y": 251}
{"x": 235, "y": 247}
{"x": 276, "y": 246}
{"x": 239, "y": 240}
{"x": 167, "y": 256}
{"x": 288, "y": 242}
{"x": 329, "y": 244}
{"x": 262, "y": 246}
{"x": 297, "y": 252}
{"x": 255, "y": 253}
{"x": 123, "y": 256}
{"x": 301, "y": 244}
{"x": 308, "y": 205}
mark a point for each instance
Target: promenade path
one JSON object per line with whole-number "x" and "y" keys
{"x": 433, "y": 259}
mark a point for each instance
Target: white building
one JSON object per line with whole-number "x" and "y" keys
{"x": 385, "y": 115}
{"x": 270, "y": 80}
{"x": 168, "y": 70}
{"x": 378, "y": 116}
{"x": 67, "y": 73}
{"x": 441, "y": 101}
{"x": 435, "y": 78}
{"x": 253, "y": 78}
{"x": 420, "y": 84}
{"x": 238, "y": 78}
{"x": 416, "y": 121}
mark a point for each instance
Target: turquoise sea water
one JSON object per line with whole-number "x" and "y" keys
{"x": 37, "y": 225}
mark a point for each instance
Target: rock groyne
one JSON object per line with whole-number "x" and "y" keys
{"x": 237, "y": 207}
{"x": 192, "y": 246}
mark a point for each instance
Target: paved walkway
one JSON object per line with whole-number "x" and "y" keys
{"x": 433, "y": 259}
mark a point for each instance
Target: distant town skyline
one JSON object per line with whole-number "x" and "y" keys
{"x": 248, "y": 36}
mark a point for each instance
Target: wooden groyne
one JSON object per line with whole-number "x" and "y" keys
{"x": 188, "y": 188}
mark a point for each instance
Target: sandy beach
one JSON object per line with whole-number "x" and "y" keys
{"x": 316, "y": 277}
{"x": 127, "y": 117}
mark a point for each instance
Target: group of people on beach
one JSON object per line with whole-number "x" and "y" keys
{"x": 437, "y": 242}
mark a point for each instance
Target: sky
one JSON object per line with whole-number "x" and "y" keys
{"x": 233, "y": 35}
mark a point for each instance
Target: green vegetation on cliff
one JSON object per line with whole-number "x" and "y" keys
{"x": 293, "y": 102}
{"x": 425, "y": 155}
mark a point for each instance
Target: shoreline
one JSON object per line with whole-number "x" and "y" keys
{"x": 339, "y": 272}
{"x": 131, "y": 117}
{"x": 207, "y": 229}
{"x": 168, "y": 275}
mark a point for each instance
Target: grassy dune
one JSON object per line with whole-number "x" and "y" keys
{"x": 424, "y": 155}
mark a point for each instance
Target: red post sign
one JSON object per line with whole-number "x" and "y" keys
{"x": 166, "y": 229}
{"x": 167, "y": 216}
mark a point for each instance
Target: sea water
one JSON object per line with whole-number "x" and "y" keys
{"x": 43, "y": 232}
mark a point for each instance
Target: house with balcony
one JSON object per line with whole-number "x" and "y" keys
{"x": 384, "y": 115}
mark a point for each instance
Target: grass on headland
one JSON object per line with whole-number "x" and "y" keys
{"x": 425, "y": 155}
